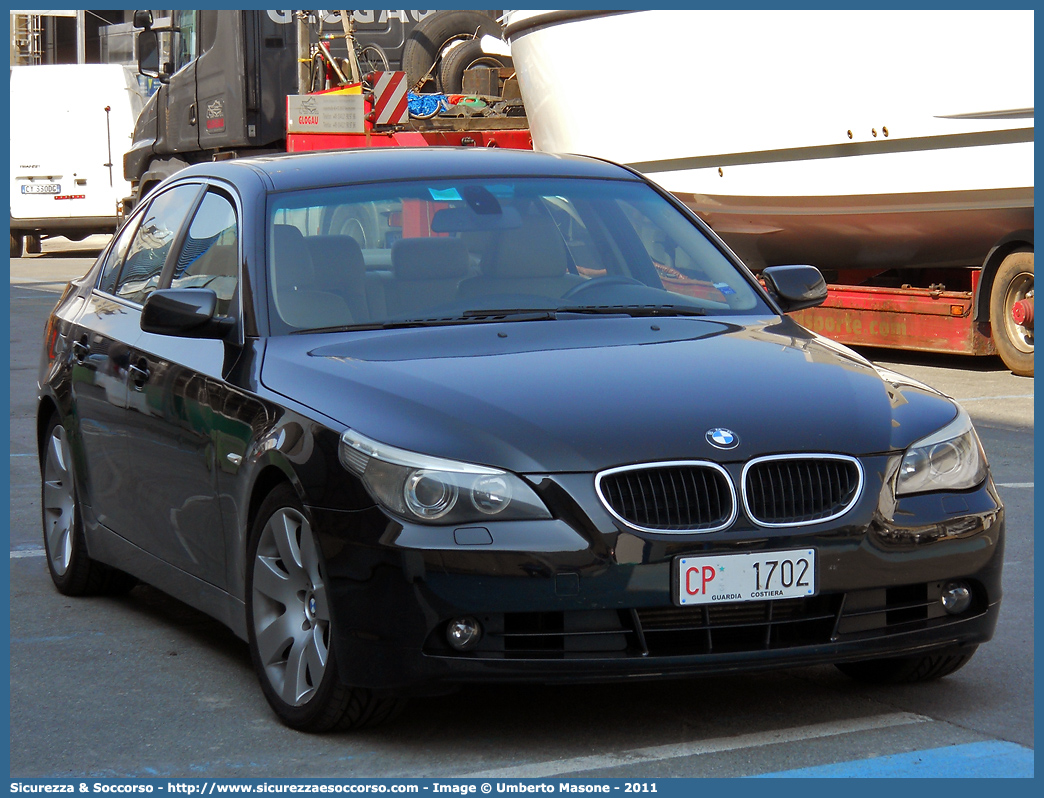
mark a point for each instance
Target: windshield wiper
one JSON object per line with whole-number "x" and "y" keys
{"x": 512, "y": 314}
{"x": 636, "y": 311}
{"x": 468, "y": 317}
{"x": 481, "y": 315}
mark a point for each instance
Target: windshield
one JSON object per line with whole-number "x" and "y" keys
{"x": 468, "y": 250}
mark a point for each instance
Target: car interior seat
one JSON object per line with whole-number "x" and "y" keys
{"x": 426, "y": 273}
{"x": 531, "y": 259}
{"x": 299, "y": 296}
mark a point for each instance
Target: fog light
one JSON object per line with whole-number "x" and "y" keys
{"x": 464, "y": 633}
{"x": 956, "y": 598}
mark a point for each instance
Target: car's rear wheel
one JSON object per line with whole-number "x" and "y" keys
{"x": 290, "y": 629}
{"x": 33, "y": 244}
{"x": 918, "y": 668}
{"x": 16, "y": 244}
{"x": 72, "y": 570}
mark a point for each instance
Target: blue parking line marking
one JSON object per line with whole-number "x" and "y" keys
{"x": 987, "y": 760}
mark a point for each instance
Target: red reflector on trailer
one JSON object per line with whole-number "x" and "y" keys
{"x": 71, "y": 196}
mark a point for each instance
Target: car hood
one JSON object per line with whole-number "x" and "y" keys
{"x": 596, "y": 392}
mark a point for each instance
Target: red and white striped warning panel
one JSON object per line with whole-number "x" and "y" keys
{"x": 389, "y": 99}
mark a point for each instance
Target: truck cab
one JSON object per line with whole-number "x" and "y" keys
{"x": 223, "y": 79}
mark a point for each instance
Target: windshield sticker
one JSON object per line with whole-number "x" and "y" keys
{"x": 501, "y": 191}
{"x": 444, "y": 194}
{"x": 725, "y": 288}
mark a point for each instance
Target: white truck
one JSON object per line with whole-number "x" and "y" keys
{"x": 70, "y": 126}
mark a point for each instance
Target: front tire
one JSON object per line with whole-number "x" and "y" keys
{"x": 1013, "y": 283}
{"x": 72, "y": 570}
{"x": 33, "y": 244}
{"x": 290, "y": 629}
{"x": 909, "y": 670}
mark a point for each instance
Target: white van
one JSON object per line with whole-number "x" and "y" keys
{"x": 70, "y": 125}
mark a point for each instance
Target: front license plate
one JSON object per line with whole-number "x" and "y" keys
{"x": 41, "y": 188}
{"x": 764, "y": 576}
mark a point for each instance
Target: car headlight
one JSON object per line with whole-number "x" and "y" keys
{"x": 950, "y": 459}
{"x": 418, "y": 487}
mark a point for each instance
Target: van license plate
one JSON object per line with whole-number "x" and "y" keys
{"x": 761, "y": 576}
{"x": 41, "y": 188}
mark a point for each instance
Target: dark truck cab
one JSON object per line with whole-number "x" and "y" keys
{"x": 224, "y": 77}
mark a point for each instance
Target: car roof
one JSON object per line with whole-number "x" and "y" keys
{"x": 288, "y": 171}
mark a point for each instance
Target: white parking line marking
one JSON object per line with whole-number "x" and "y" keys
{"x": 18, "y": 555}
{"x": 991, "y": 398}
{"x": 1015, "y": 485}
{"x": 813, "y": 731}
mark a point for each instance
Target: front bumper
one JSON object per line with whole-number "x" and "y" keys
{"x": 63, "y": 224}
{"x": 578, "y": 599}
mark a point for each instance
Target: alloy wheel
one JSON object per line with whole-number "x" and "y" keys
{"x": 290, "y": 612}
{"x": 59, "y": 501}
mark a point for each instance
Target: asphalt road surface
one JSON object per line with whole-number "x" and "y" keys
{"x": 144, "y": 686}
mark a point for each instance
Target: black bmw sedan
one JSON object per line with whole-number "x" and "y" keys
{"x": 407, "y": 419}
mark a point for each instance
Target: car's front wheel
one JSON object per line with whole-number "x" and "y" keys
{"x": 290, "y": 628}
{"x": 73, "y": 571}
{"x": 906, "y": 670}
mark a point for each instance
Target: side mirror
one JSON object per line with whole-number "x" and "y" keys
{"x": 795, "y": 287}
{"x": 185, "y": 313}
{"x": 143, "y": 19}
{"x": 149, "y": 53}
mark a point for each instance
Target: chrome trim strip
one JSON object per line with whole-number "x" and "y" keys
{"x": 849, "y": 149}
{"x": 668, "y": 464}
{"x": 806, "y": 456}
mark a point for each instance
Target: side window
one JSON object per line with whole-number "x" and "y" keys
{"x": 186, "y": 39}
{"x": 582, "y": 247}
{"x": 210, "y": 256}
{"x": 686, "y": 264}
{"x": 113, "y": 261}
{"x": 148, "y": 251}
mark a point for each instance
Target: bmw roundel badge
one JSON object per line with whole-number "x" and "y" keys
{"x": 722, "y": 438}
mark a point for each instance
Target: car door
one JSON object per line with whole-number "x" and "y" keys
{"x": 173, "y": 387}
{"x": 100, "y": 335}
{"x": 111, "y": 326}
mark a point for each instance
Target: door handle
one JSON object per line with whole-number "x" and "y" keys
{"x": 139, "y": 374}
{"x": 192, "y": 114}
{"x": 81, "y": 349}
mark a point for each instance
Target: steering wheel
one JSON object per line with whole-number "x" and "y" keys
{"x": 597, "y": 283}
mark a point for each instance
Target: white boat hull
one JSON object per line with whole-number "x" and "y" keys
{"x": 848, "y": 139}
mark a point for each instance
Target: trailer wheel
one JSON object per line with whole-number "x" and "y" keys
{"x": 360, "y": 223}
{"x": 463, "y": 57}
{"x": 1011, "y": 312}
{"x": 16, "y": 244}
{"x": 33, "y": 244}
{"x": 428, "y": 40}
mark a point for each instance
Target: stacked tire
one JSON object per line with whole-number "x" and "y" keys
{"x": 445, "y": 44}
